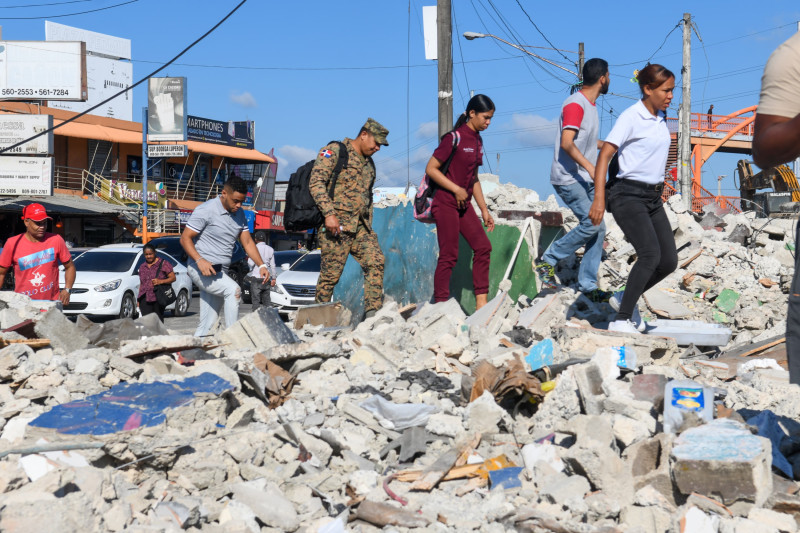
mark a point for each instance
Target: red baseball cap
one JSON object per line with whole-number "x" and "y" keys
{"x": 34, "y": 212}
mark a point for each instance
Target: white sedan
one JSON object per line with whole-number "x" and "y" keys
{"x": 296, "y": 287}
{"x": 107, "y": 282}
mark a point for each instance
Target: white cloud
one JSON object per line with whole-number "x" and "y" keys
{"x": 244, "y": 99}
{"x": 427, "y": 130}
{"x": 533, "y": 130}
{"x": 290, "y": 158}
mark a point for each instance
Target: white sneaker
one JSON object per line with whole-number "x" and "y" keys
{"x": 623, "y": 326}
{"x": 616, "y": 300}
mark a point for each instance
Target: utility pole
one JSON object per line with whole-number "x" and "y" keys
{"x": 444, "y": 43}
{"x": 581, "y": 60}
{"x": 684, "y": 118}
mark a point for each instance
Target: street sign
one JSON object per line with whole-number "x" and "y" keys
{"x": 26, "y": 176}
{"x": 167, "y": 150}
{"x": 17, "y": 128}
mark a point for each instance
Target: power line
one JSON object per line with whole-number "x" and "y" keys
{"x": 123, "y": 91}
{"x": 651, "y": 55}
{"x": 542, "y": 34}
{"x": 48, "y": 4}
{"x": 70, "y": 14}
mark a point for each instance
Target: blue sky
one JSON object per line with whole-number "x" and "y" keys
{"x": 309, "y": 71}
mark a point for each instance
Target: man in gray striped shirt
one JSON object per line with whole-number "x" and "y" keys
{"x": 572, "y": 177}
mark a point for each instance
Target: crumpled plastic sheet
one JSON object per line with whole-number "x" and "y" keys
{"x": 768, "y": 427}
{"x": 128, "y": 406}
{"x": 398, "y": 416}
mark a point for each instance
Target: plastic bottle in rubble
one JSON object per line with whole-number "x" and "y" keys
{"x": 686, "y": 398}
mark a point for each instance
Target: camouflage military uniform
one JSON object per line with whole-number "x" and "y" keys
{"x": 352, "y": 206}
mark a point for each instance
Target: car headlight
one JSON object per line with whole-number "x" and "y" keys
{"x": 109, "y": 286}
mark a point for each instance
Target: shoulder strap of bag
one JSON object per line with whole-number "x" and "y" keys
{"x": 160, "y": 267}
{"x": 456, "y": 140}
{"x": 341, "y": 162}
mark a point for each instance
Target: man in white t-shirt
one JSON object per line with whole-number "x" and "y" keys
{"x": 777, "y": 140}
{"x": 571, "y": 175}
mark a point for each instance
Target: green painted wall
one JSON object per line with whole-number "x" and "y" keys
{"x": 411, "y": 253}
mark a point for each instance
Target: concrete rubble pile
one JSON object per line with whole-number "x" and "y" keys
{"x": 525, "y": 416}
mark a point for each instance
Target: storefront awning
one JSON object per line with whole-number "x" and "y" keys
{"x": 118, "y": 135}
{"x": 98, "y": 132}
{"x": 60, "y": 204}
{"x": 231, "y": 152}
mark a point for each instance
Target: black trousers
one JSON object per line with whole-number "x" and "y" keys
{"x": 639, "y": 212}
{"x": 259, "y": 292}
{"x": 793, "y": 318}
{"x": 146, "y": 308}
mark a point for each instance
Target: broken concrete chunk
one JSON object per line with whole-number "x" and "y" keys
{"x": 260, "y": 330}
{"x": 62, "y": 333}
{"x": 724, "y": 461}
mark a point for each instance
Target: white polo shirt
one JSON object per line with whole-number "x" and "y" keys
{"x": 643, "y": 143}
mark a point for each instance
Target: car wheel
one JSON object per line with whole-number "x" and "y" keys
{"x": 181, "y": 304}
{"x": 127, "y": 308}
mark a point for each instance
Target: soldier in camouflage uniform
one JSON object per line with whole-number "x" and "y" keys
{"x": 348, "y": 216}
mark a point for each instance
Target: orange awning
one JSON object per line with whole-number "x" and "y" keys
{"x": 230, "y": 152}
{"x": 95, "y": 131}
{"x": 118, "y": 135}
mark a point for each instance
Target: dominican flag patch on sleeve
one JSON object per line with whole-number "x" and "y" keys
{"x": 326, "y": 153}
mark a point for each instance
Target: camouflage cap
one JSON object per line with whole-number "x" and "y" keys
{"x": 377, "y": 131}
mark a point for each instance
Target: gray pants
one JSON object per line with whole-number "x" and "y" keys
{"x": 217, "y": 292}
{"x": 259, "y": 292}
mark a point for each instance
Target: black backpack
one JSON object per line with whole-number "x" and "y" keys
{"x": 301, "y": 212}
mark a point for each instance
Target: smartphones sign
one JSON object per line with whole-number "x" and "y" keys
{"x": 166, "y": 109}
{"x": 41, "y": 70}
{"x": 238, "y": 134}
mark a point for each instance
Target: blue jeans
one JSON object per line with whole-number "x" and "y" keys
{"x": 217, "y": 292}
{"x": 578, "y": 197}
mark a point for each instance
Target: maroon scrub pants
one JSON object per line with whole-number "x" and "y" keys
{"x": 450, "y": 222}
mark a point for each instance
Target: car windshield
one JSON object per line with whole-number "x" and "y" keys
{"x": 309, "y": 263}
{"x": 105, "y": 261}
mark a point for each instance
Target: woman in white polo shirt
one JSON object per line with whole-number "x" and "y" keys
{"x": 642, "y": 138}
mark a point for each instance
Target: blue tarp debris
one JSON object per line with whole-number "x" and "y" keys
{"x": 128, "y": 406}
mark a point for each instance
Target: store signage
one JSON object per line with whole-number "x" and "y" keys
{"x": 269, "y": 220}
{"x": 17, "y": 128}
{"x": 130, "y": 193}
{"x": 41, "y": 70}
{"x": 32, "y": 176}
{"x": 231, "y": 133}
{"x": 166, "y": 109}
{"x": 167, "y": 150}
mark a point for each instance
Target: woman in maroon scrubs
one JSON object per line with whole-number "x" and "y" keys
{"x": 452, "y": 209}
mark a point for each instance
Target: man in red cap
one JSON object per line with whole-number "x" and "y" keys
{"x": 35, "y": 255}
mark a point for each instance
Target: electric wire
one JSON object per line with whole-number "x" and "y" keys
{"x": 542, "y": 34}
{"x": 408, "y": 100}
{"x": 70, "y": 14}
{"x": 123, "y": 91}
{"x": 47, "y": 4}
{"x": 654, "y": 53}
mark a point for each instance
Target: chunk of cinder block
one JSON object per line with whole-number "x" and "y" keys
{"x": 259, "y": 330}
{"x": 724, "y": 461}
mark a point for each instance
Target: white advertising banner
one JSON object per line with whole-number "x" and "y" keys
{"x": 26, "y": 176}
{"x": 17, "y": 128}
{"x": 105, "y": 78}
{"x": 166, "y": 109}
{"x": 167, "y": 150}
{"x": 40, "y": 70}
{"x": 96, "y": 43}
{"x": 108, "y": 71}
